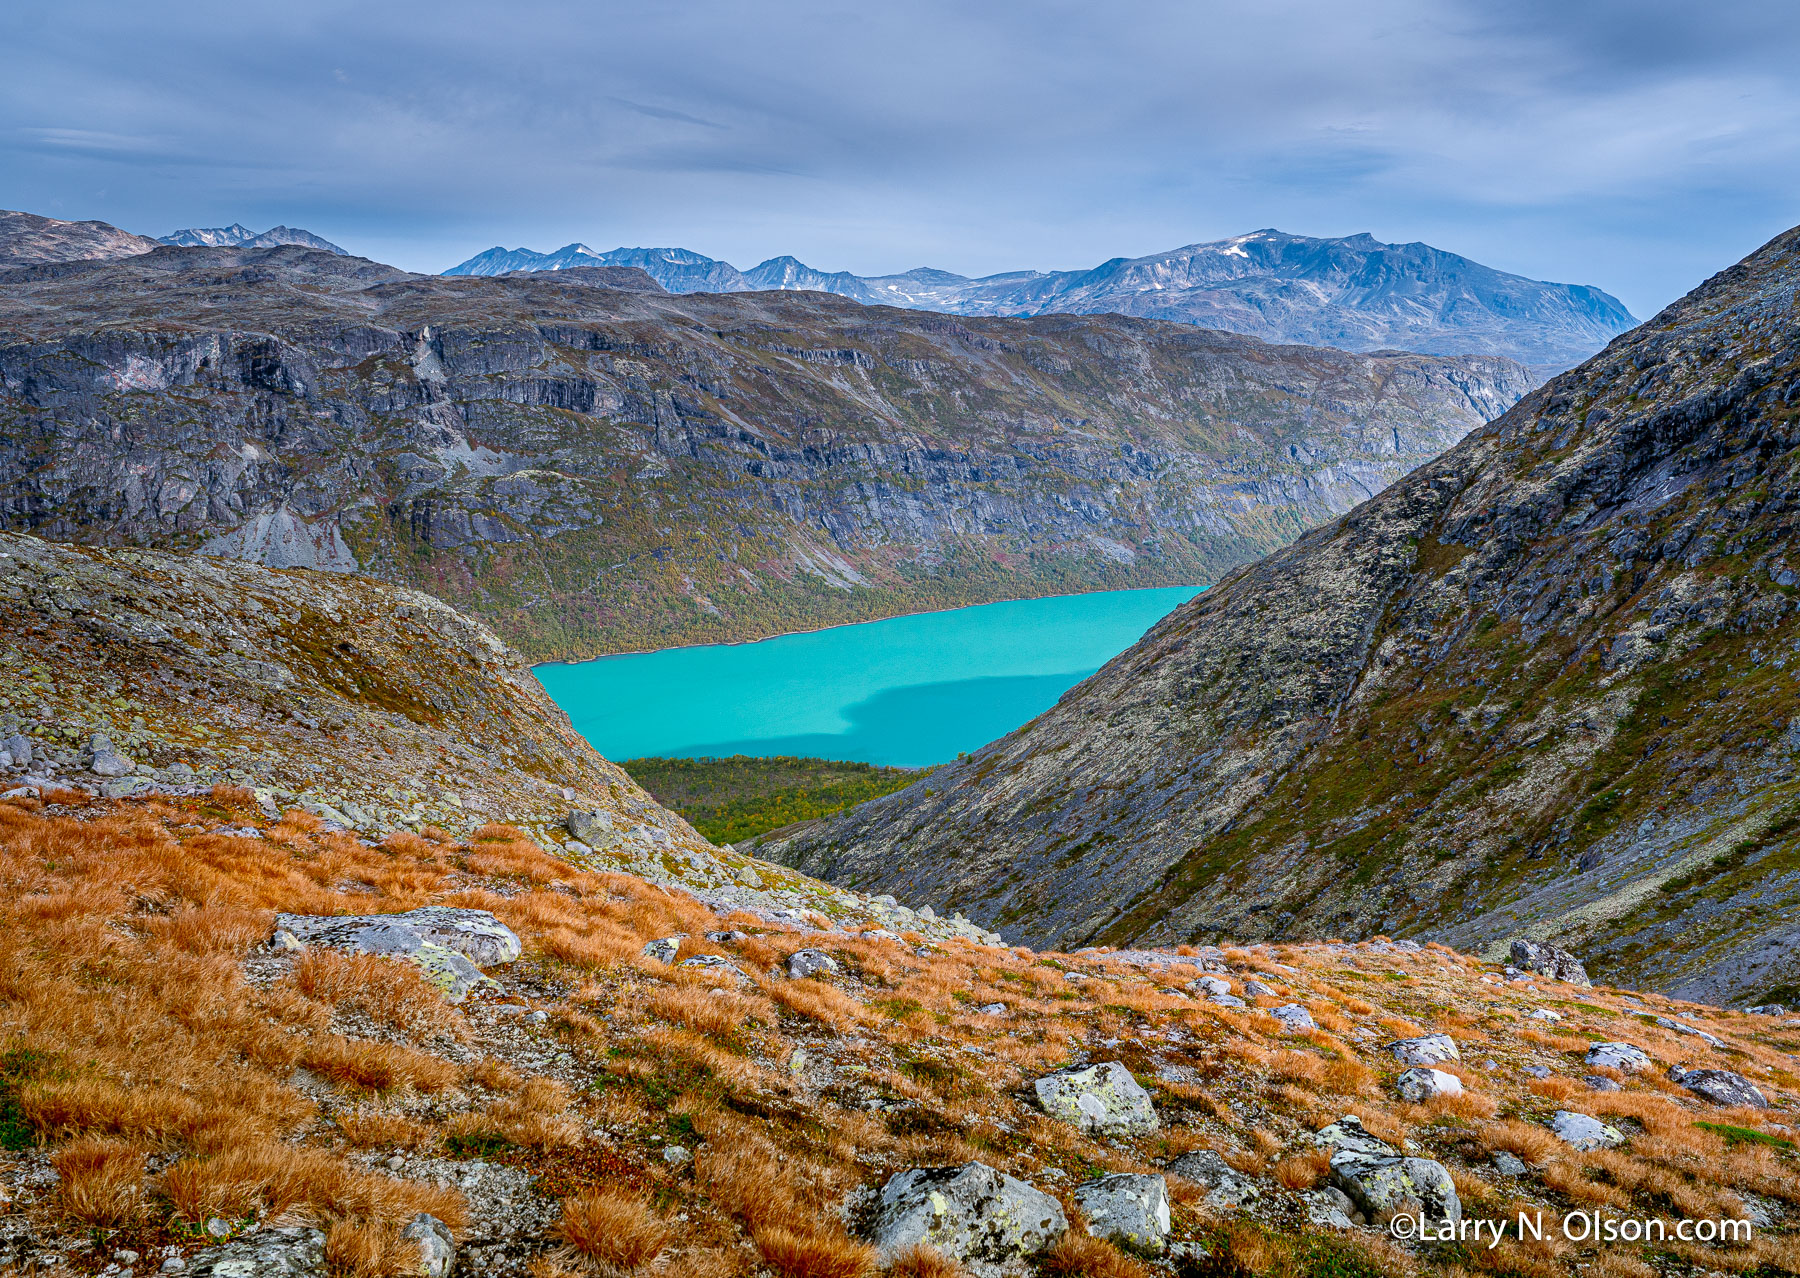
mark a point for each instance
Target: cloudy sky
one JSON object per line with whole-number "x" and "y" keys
{"x": 1635, "y": 144}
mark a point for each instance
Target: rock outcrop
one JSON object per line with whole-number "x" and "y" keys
{"x": 592, "y": 469}
{"x": 1536, "y": 687}
{"x": 29, "y": 240}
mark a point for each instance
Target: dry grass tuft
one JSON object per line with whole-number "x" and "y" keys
{"x": 1077, "y": 1254}
{"x": 925, "y": 1262}
{"x": 1303, "y": 1171}
{"x": 614, "y": 1229}
{"x": 355, "y": 1250}
{"x": 814, "y": 1255}
{"x": 102, "y": 1182}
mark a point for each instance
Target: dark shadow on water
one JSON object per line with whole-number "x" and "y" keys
{"x": 916, "y": 726}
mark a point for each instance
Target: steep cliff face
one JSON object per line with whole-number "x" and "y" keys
{"x": 1539, "y": 686}
{"x": 592, "y": 469}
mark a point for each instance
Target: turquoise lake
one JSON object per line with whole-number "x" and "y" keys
{"x": 908, "y": 692}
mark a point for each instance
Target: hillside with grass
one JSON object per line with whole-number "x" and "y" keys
{"x": 1538, "y": 687}
{"x": 271, "y": 1006}
{"x": 737, "y": 798}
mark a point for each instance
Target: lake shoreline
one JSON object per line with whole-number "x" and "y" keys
{"x": 847, "y": 625}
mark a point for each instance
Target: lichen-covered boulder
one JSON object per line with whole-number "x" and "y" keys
{"x": 804, "y": 963}
{"x": 1720, "y": 1086}
{"x": 1625, "y": 1057}
{"x": 1549, "y": 960}
{"x": 447, "y": 945}
{"x": 1585, "y": 1132}
{"x": 1294, "y": 1018}
{"x": 1130, "y": 1210}
{"x": 982, "y": 1218}
{"x": 1225, "y": 1186}
{"x": 1422, "y": 1083}
{"x": 293, "y": 1252}
{"x": 1379, "y": 1179}
{"x": 663, "y": 949}
{"x": 1428, "y": 1049}
{"x": 1103, "y": 1099}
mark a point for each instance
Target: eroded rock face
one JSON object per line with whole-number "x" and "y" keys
{"x": 1549, "y": 960}
{"x": 294, "y": 1252}
{"x": 447, "y": 945}
{"x": 1720, "y": 1086}
{"x": 1102, "y": 1099}
{"x": 1132, "y": 1210}
{"x": 980, "y": 1217}
{"x": 1585, "y": 1132}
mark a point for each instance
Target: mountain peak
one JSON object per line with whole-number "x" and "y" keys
{"x": 237, "y": 235}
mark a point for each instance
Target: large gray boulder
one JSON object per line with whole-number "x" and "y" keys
{"x": 293, "y": 1252}
{"x": 446, "y": 945}
{"x": 1294, "y": 1018}
{"x": 1102, "y": 1099}
{"x": 1549, "y": 960}
{"x": 1585, "y": 1132}
{"x": 1720, "y": 1086}
{"x": 1429, "y": 1049}
{"x": 1225, "y": 1186}
{"x": 982, "y": 1218}
{"x": 1380, "y": 1180}
{"x": 1627, "y": 1058}
{"x": 1128, "y": 1209}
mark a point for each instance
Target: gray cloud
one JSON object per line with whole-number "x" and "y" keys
{"x": 1638, "y": 146}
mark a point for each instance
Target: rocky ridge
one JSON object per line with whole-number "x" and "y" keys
{"x": 29, "y": 240}
{"x": 1536, "y": 689}
{"x": 1353, "y": 292}
{"x": 591, "y": 469}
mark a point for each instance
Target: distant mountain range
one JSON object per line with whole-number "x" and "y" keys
{"x": 27, "y": 239}
{"x": 237, "y": 235}
{"x": 1355, "y": 293}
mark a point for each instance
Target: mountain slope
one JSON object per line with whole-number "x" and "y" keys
{"x": 1539, "y": 685}
{"x": 592, "y": 469}
{"x": 29, "y": 240}
{"x": 238, "y": 235}
{"x": 1355, "y": 292}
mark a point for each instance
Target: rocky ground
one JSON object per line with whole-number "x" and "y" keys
{"x": 639, "y": 1084}
{"x": 592, "y": 469}
{"x": 1538, "y": 687}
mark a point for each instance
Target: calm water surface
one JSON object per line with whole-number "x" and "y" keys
{"x": 910, "y": 691}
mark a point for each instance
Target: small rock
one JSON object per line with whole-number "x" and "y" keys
{"x": 798, "y": 1060}
{"x": 1624, "y": 1057}
{"x": 664, "y": 949}
{"x": 1535, "y": 1071}
{"x": 290, "y": 1252}
{"x": 1600, "y": 1083}
{"x": 1423, "y": 1083}
{"x": 1130, "y": 1210}
{"x": 1768, "y": 1009}
{"x": 1549, "y": 960}
{"x": 445, "y": 944}
{"x": 713, "y": 963}
{"x": 537, "y": 1016}
{"x": 1429, "y": 1049}
{"x": 1509, "y": 1164}
{"x": 1256, "y": 989}
{"x": 1226, "y": 1000}
{"x": 285, "y": 942}
{"x": 1294, "y": 1018}
{"x": 1102, "y": 1098}
{"x": 992, "y": 1009}
{"x": 1211, "y": 986}
{"x": 1720, "y": 1086}
{"x": 676, "y": 1155}
{"x": 804, "y": 963}
{"x": 1225, "y": 1185}
{"x": 1542, "y": 1014}
{"x": 976, "y": 1216}
{"x": 436, "y": 1248}
{"x": 749, "y": 877}
{"x": 174, "y": 1265}
{"x": 1331, "y": 1207}
{"x": 1585, "y": 1132}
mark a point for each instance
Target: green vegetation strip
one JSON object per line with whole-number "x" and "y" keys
{"x": 729, "y": 800}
